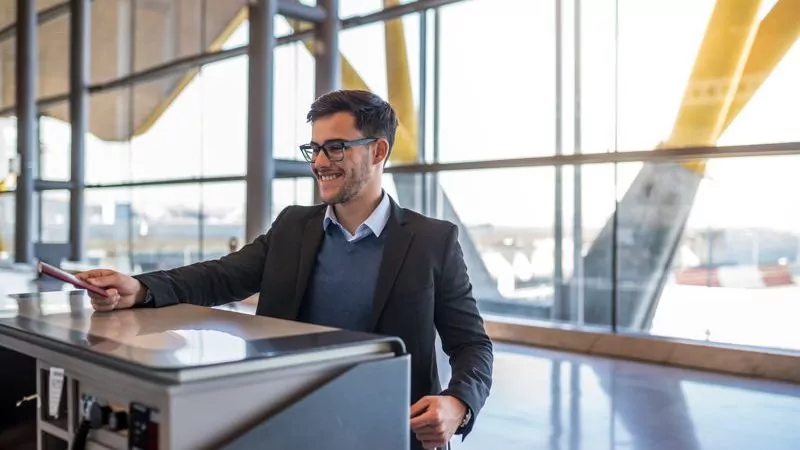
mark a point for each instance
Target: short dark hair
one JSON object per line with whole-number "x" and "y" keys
{"x": 374, "y": 116}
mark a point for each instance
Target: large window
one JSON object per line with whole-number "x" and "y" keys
{"x": 293, "y": 94}
{"x": 188, "y": 125}
{"x": 519, "y": 264}
{"x": 108, "y": 150}
{"x": 54, "y": 147}
{"x": 696, "y": 249}
{"x": 385, "y": 58}
{"x": 223, "y": 118}
{"x": 195, "y": 124}
{"x": 637, "y": 88}
{"x": 767, "y": 117}
{"x": 165, "y": 226}
{"x": 167, "y": 138}
{"x": 731, "y": 277}
{"x": 53, "y": 216}
{"x": 497, "y": 80}
{"x": 109, "y": 226}
{"x": 147, "y": 228}
{"x": 288, "y": 191}
{"x": 707, "y": 250}
{"x": 222, "y": 218}
{"x": 736, "y": 275}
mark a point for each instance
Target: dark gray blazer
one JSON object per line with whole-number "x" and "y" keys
{"x": 422, "y": 284}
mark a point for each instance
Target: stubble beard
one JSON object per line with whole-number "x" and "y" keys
{"x": 355, "y": 180}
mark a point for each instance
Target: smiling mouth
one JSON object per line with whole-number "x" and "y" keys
{"x": 329, "y": 177}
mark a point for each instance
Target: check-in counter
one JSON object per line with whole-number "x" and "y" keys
{"x": 190, "y": 377}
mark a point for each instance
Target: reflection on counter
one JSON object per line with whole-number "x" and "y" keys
{"x": 179, "y": 336}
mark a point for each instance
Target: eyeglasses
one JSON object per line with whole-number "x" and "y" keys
{"x": 334, "y": 150}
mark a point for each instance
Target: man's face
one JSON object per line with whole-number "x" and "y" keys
{"x": 341, "y": 181}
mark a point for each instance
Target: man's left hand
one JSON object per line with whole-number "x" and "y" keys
{"x": 435, "y": 418}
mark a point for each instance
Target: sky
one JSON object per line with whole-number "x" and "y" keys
{"x": 497, "y": 101}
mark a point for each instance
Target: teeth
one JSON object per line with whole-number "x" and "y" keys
{"x": 328, "y": 177}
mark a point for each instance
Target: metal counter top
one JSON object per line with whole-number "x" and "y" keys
{"x": 177, "y": 343}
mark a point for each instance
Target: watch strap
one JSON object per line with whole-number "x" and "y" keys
{"x": 148, "y": 297}
{"x": 467, "y": 418}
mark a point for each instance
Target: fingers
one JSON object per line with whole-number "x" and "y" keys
{"x": 425, "y": 419}
{"x": 94, "y": 273}
{"x": 431, "y": 432}
{"x": 104, "y": 281}
{"x": 420, "y": 406}
{"x": 432, "y": 436}
{"x": 430, "y": 422}
{"x": 100, "y": 303}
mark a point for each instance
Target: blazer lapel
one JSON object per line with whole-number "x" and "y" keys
{"x": 312, "y": 238}
{"x": 398, "y": 239}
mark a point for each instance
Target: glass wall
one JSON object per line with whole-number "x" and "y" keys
{"x": 165, "y": 156}
{"x": 222, "y": 218}
{"x": 190, "y": 126}
{"x": 110, "y": 228}
{"x": 697, "y": 250}
{"x": 735, "y": 277}
{"x": 732, "y": 277}
{"x": 706, "y": 250}
{"x": 498, "y": 83}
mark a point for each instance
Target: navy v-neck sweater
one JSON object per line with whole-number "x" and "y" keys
{"x": 342, "y": 285}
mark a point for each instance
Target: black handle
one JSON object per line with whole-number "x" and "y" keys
{"x": 81, "y": 436}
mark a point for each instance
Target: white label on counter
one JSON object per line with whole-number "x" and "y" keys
{"x": 54, "y": 391}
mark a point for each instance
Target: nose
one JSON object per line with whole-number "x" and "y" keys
{"x": 321, "y": 160}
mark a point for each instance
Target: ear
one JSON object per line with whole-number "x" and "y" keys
{"x": 381, "y": 151}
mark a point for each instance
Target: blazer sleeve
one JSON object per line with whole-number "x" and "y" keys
{"x": 231, "y": 278}
{"x": 462, "y": 332}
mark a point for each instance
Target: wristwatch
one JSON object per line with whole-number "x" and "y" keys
{"x": 467, "y": 418}
{"x": 148, "y": 297}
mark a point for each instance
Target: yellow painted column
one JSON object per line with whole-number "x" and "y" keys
{"x": 715, "y": 76}
{"x": 777, "y": 33}
{"x": 401, "y": 95}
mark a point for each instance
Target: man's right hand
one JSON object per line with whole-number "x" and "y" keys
{"x": 123, "y": 291}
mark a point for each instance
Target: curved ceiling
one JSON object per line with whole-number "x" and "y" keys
{"x": 163, "y": 30}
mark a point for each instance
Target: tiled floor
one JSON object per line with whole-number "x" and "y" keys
{"x": 544, "y": 399}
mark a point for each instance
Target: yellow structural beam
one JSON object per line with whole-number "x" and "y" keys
{"x": 404, "y": 139}
{"x": 715, "y": 76}
{"x": 774, "y": 36}
{"x": 778, "y": 31}
{"x": 398, "y": 77}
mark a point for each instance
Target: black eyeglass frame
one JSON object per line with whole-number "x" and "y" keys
{"x": 311, "y": 151}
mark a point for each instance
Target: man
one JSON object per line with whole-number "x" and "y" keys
{"x": 357, "y": 262}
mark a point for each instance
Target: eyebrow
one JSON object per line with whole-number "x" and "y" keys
{"x": 332, "y": 140}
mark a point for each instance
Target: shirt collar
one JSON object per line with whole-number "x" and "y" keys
{"x": 376, "y": 221}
